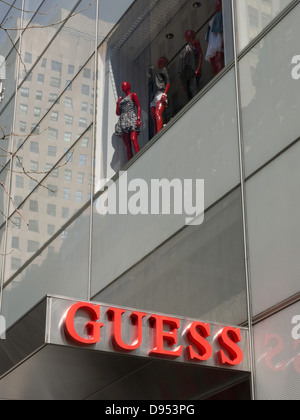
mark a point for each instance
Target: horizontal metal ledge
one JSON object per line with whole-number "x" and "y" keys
{"x": 37, "y": 362}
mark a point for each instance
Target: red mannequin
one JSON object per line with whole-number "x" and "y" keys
{"x": 217, "y": 62}
{"x": 129, "y": 124}
{"x": 190, "y": 37}
{"x": 160, "y": 102}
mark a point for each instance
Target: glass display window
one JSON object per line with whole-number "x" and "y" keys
{"x": 159, "y": 57}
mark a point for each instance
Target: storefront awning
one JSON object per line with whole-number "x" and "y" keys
{"x": 44, "y": 357}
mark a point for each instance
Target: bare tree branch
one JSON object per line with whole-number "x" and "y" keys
{"x": 5, "y": 133}
{"x": 16, "y": 49}
{"x": 51, "y": 24}
{"x": 28, "y": 11}
{"x": 12, "y": 201}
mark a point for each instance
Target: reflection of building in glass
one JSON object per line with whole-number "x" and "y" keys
{"x": 255, "y": 15}
{"x": 52, "y": 113}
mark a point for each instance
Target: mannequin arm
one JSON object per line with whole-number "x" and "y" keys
{"x": 164, "y": 98}
{"x": 199, "y": 49}
{"x": 167, "y": 88}
{"x": 118, "y": 106}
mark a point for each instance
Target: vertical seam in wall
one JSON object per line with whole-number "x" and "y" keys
{"x": 93, "y": 154}
{"x": 10, "y": 167}
{"x": 243, "y": 203}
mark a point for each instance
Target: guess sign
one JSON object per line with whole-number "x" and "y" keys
{"x": 152, "y": 335}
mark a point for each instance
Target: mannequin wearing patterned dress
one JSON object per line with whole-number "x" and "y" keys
{"x": 129, "y": 124}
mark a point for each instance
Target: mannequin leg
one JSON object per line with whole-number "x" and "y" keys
{"x": 219, "y": 61}
{"x": 189, "y": 89}
{"x": 214, "y": 65}
{"x": 126, "y": 139}
{"x": 154, "y": 119}
{"x": 134, "y": 140}
{"x": 160, "y": 107}
{"x": 195, "y": 86}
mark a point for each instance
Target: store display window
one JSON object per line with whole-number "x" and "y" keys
{"x": 159, "y": 57}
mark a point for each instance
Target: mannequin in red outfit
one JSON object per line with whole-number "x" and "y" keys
{"x": 215, "y": 50}
{"x": 161, "y": 85}
{"x": 129, "y": 124}
{"x": 191, "y": 59}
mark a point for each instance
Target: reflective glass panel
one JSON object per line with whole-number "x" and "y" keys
{"x": 254, "y": 15}
{"x": 270, "y": 92}
{"x": 198, "y": 273}
{"x": 273, "y": 208}
{"x": 61, "y": 269}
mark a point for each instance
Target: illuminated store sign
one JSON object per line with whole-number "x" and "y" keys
{"x": 129, "y": 331}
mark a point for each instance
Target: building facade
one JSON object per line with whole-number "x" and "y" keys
{"x": 235, "y": 126}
